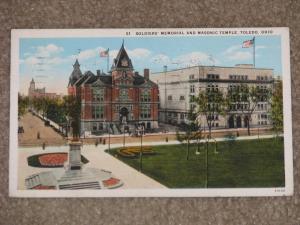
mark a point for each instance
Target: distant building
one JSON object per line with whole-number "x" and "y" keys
{"x": 177, "y": 87}
{"x": 115, "y": 101}
{"x": 34, "y": 92}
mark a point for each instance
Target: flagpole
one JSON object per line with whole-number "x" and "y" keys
{"x": 254, "y": 52}
{"x": 107, "y": 60}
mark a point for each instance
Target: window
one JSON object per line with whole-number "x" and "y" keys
{"x": 192, "y": 88}
{"x": 145, "y": 112}
{"x": 145, "y": 95}
{"x": 181, "y": 116}
{"x": 123, "y": 94}
{"x": 170, "y": 97}
{"x": 192, "y": 98}
{"x": 97, "y": 112}
{"x": 213, "y": 76}
{"x": 98, "y": 94}
{"x": 181, "y": 98}
{"x": 192, "y": 77}
{"x": 192, "y": 106}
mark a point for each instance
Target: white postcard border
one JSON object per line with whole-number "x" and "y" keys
{"x": 211, "y": 192}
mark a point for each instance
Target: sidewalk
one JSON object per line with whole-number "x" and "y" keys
{"x": 172, "y": 142}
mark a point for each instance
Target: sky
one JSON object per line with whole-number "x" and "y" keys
{"x": 49, "y": 61}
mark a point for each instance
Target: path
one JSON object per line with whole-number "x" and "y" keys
{"x": 32, "y": 125}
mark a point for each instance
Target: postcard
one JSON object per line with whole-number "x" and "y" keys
{"x": 188, "y": 112}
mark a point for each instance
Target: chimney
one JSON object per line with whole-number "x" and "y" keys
{"x": 146, "y": 74}
{"x": 98, "y": 72}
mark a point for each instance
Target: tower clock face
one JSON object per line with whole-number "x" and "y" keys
{"x": 124, "y": 62}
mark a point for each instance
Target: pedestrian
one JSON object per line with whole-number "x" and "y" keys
{"x": 44, "y": 145}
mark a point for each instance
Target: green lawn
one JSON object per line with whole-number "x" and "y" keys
{"x": 248, "y": 163}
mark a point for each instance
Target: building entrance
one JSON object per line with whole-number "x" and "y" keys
{"x": 124, "y": 115}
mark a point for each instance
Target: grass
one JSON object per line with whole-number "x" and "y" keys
{"x": 247, "y": 163}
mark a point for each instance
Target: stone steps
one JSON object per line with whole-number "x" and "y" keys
{"x": 77, "y": 186}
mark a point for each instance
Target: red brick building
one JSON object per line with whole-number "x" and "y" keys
{"x": 121, "y": 99}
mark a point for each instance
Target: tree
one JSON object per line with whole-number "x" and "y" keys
{"x": 55, "y": 111}
{"x": 37, "y": 104}
{"x": 72, "y": 110}
{"x": 210, "y": 103}
{"x": 192, "y": 131}
{"x": 244, "y": 100}
{"x": 277, "y": 108}
{"x": 23, "y": 103}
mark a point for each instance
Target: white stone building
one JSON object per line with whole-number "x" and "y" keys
{"x": 177, "y": 87}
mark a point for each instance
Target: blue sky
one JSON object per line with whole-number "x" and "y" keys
{"x": 49, "y": 60}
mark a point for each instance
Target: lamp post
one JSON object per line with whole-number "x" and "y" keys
{"x": 124, "y": 123}
{"x": 108, "y": 129}
{"x": 165, "y": 73}
{"x": 206, "y": 178}
{"x": 141, "y": 149}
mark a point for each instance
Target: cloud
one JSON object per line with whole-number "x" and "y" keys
{"x": 236, "y": 53}
{"x": 232, "y": 49}
{"x": 88, "y": 54}
{"x": 194, "y": 58}
{"x": 48, "y": 50}
{"x": 113, "y": 53}
{"x": 139, "y": 53}
{"x": 161, "y": 59}
{"x": 135, "y": 54}
{"x": 43, "y": 55}
{"x": 258, "y": 47}
{"x": 239, "y": 55}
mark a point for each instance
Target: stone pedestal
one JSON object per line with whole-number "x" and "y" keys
{"x": 75, "y": 156}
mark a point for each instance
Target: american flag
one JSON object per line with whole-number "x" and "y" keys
{"x": 104, "y": 53}
{"x": 248, "y": 43}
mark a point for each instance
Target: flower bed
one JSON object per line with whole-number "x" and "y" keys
{"x": 43, "y": 187}
{"x": 53, "y": 159}
{"x": 111, "y": 182}
{"x": 133, "y": 151}
{"x": 50, "y": 160}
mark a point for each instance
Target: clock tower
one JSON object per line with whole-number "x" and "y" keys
{"x": 122, "y": 69}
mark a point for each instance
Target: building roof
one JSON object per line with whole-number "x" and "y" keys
{"x": 238, "y": 66}
{"x": 76, "y": 73}
{"x": 122, "y": 60}
{"x": 90, "y": 78}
